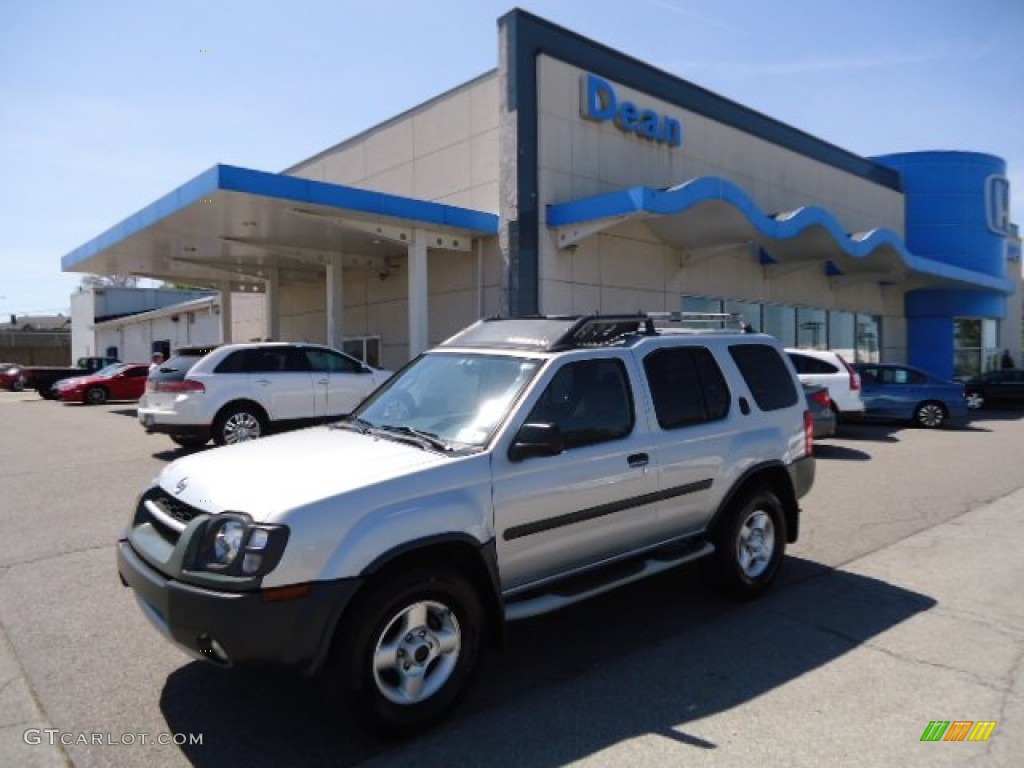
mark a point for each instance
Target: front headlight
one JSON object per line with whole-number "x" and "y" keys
{"x": 234, "y": 545}
{"x": 227, "y": 541}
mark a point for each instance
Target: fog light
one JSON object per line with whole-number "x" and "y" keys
{"x": 211, "y": 648}
{"x": 251, "y": 562}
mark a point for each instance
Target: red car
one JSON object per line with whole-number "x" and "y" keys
{"x": 11, "y": 377}
{"x": 121, "y": 381}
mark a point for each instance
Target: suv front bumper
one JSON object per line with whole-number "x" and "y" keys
{"x": 238, "y": 628}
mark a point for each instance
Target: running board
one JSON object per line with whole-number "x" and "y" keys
{"x": 579, "y": 588}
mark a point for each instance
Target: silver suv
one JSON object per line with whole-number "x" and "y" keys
{"x": 238, "y": 392}
{"x": 521, "y": 466}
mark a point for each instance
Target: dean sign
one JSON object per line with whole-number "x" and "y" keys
{"x": 599, "y": 102}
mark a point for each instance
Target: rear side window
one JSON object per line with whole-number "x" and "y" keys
{"x": 176, "y": 368}
{"x": 687, "y": 386}
{"x": 806, "y": 364}
{"x": 766, "y": 374}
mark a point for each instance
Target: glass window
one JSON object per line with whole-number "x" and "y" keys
{"x": 811, "y": 328}
{"x": 780, "y": 322}
{"x": 868, "y": 339}
{"x": 767, "y": 376}
{"x": 590, "y": 401}
{"x": 329, "y": 361}
{"x": 701, "y": 304}
{"x": 366, "y": 348}
{"x": 808, "y": 364}
{"x": 687, "y": 386}
{"x": 841, "y": 334}
{"x": 751, "y": 312}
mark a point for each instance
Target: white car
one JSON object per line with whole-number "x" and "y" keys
{"x": 238, "y": 392}
{"x": 829, "y": 369}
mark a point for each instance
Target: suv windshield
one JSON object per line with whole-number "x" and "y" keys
{"x": 457, "y": 398}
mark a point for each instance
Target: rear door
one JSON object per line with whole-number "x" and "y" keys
{"x": 596, "y": 499}
{"x": 694, "y": 423}
{"x": 281, "y": 381}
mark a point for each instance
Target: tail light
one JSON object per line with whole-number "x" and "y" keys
{"x": 854, "y": 376}
{"x": 808, "y": 433}
{"x": 185, "y": 386}
{"x": 821, "y": 397}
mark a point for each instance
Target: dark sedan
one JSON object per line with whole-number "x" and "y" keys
{"x": 1005, "y": 387}
{"x": 910, "y": 394}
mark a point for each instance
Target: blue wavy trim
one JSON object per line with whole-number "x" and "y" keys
{"x": 783, "y": 226}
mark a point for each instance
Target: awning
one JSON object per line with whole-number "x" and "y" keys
{"x": 709, "y": 214}
{"x": 232, "y": 225}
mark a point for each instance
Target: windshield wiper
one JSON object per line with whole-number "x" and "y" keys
{"x": 423, "y": 439}
{"x": 356, "y": 424}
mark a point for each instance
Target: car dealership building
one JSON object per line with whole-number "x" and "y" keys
{"x": 574, "y": 179}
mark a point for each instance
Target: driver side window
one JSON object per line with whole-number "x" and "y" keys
{"x": 589, "y": 401}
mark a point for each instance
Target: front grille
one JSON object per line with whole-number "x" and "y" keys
{"x": 176, "y": 508}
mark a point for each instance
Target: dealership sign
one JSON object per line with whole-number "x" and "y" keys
{"x": 997, "y": 204}
{"x": 600, "y": 103}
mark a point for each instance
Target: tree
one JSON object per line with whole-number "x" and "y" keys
{"x": 108, "y": 281}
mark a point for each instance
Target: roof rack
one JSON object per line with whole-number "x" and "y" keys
{"x": 601, "y": 330}
{"x": 557, "y": 333}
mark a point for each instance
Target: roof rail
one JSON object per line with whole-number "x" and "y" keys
{"x": 707, "y": 321}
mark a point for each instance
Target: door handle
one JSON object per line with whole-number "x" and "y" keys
{"x": 637, "y": 459}
{"x": 262, "y": 381}
{"x": 321, "y": 381}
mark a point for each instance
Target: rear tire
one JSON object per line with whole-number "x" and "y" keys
{"x": 407, "y": 649}
{"x": 975, "y": 400}
{"x": 239, "y": 424}
{"x": 930, "y": 415}
{"x": 750, "y": 543}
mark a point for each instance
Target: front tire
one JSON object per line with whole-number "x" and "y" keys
{"x": 407, "y": 650}
{"x": 96, "y": 396}
{"x": 751, "y": 543}
{"x": 930, "y": 415}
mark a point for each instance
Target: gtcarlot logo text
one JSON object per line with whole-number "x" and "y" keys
{"x": 54, "y": 736}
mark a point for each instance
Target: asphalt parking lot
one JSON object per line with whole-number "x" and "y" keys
{"x": 900, "y": 605}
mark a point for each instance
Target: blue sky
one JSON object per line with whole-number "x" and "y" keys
{"x": 107, "y": 105}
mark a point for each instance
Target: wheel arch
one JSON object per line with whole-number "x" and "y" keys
{"x": 247, "y": 402}
{"x": 478, "y": 562}
{"x": 461, "y": 551}
{"x": 774, "y": 476}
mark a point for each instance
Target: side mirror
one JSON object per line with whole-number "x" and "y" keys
{"x": 536, "y": 440}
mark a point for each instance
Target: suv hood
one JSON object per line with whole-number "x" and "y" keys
{"x": 269, "y": 476}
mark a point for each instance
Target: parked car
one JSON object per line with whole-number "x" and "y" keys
{"x": 1004, "y": 387}
{"x": 12, "y": 377}
{"x": 121, "y": 381}
{"x": 820, "y": 404}
{"x": 521, "y": 466}
{"x": 830, "y": 369}
{"x": 238, "y": 392}
{"x": 41, "y": 378}
{"x": 911, "y": 394}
